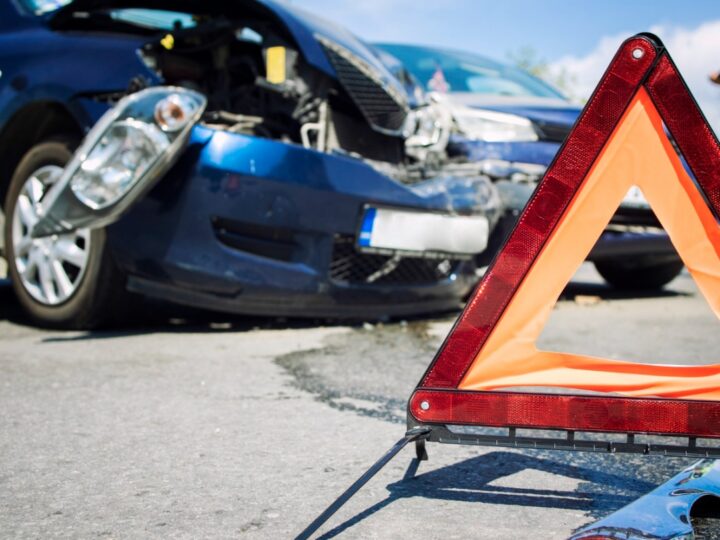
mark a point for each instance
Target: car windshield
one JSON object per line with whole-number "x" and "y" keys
{"x": 149, "y": 18}
{"x": 445, "y": 71}
{"x": 154, "y": 18}
{"x": 38, "y": 7}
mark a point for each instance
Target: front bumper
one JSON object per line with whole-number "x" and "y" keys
{"x": 626, "y": 245}
{"x": 254, "y": 226}
{"x": 333, "y": 301}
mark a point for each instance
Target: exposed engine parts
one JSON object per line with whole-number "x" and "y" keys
{"x": 258, "y": 83}
{"x": 251, "y": 78}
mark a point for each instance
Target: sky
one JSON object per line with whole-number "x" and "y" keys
{"x": 578, "y": 38}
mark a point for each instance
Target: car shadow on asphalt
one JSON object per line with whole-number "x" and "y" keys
{"x": 175, "y": 324}
{"x": 179, "y": 320}
{"x": 150, "y": 316}
{"x": 10, "y": 309}
{"x": 599, "y": 493}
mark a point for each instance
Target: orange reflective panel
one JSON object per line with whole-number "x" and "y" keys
{"x": 638, "y": 153}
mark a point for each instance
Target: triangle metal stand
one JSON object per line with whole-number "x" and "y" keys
{"x": 416, "y": 435}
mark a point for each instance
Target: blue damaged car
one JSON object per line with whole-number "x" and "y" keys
{"x": 513, "y": 124}
{"x": 238, "y": 156}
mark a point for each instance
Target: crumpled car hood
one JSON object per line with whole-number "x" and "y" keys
{"x": 303, "y": 26}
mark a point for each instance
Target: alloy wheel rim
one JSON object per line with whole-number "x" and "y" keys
{"x": 51, "y": 268}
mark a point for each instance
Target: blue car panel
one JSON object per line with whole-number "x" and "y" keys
{"x": 29, "y": 77}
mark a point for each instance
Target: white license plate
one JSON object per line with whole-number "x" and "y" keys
{"x": 635, "y": 199}
{"x": 402, "y": 230}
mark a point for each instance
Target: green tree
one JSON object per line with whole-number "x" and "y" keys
{"x": 528, "y": 59}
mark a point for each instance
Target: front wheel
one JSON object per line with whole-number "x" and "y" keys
{"x": 66, "y": 280}
{"x": 644, "y": 275}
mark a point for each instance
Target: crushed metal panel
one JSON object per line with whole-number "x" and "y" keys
{"x": 664, "y": 512}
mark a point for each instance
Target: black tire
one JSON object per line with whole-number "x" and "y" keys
{"x": 640, "y": 275}
{"x": 99, "y": 297}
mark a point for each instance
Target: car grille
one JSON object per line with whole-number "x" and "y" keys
{"x": 349, "y": 265}
{"x": 376, "y": 101}
{"x": 552, "y": 132}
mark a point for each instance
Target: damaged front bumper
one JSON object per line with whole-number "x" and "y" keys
{"x": 256, "y": 226}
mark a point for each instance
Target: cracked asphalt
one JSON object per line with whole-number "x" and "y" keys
{"x": 208, "y": 426}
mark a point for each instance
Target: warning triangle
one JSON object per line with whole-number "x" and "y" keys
{"x": 619, "y": 141}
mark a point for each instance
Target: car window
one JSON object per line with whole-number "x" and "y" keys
{"x": 454, "y": 71}
{"x": 38, "y": 7}
{"x": 154, "y": 18}
{"x": 171, "y": 20}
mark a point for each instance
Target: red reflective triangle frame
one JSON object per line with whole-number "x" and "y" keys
{"x": 438, "y": 398}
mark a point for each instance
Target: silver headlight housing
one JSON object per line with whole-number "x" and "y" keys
{"x": 121, "y": 158}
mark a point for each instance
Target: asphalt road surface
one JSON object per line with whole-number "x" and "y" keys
{"x": 217, "y": 427}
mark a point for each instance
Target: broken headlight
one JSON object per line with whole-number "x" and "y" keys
{"x": 427, "y": 130}
{"x": 132, "y": 143}
{"x": 121, "y": 158}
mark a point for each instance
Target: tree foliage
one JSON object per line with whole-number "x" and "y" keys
{"x": 528, "y": 59}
